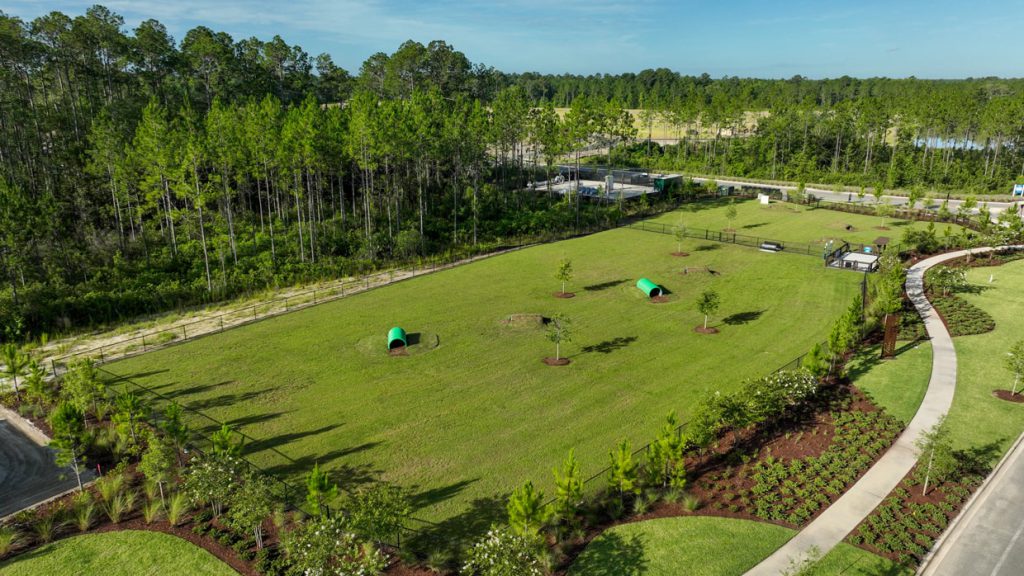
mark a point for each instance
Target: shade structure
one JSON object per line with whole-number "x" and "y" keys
{"x": 396, "y": 338}
{"x": 648, "y": 287}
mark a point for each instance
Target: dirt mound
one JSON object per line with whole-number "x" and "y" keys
{"x": 681, "y": 254}
{"x": 556, "y": 362}
{"x": 564, "y": 294}
{"x": 702, "y": 330}
{"x": 525, "y": 321}
{"x": 659, "y": 299}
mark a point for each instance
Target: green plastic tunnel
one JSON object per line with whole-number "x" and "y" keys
{"x": 396, "y": 338}
{"x": 649, "y": 288}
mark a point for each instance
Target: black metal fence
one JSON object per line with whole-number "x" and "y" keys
{"x": 816, "y": 249}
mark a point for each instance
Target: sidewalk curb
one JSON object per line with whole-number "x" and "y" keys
{"x": 24, "y": 426}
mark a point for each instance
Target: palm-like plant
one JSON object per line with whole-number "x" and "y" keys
{"x": 15, "y": 362}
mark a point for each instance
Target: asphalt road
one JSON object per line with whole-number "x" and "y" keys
{"x": 988, "y": 538}
{"x": 831, "y": 196}
{"x": 27, "y": 472}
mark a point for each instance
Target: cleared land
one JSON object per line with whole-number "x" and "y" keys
{"x": 466, "y": 421}
{"x": 707, "y": 546}
{"x": 794, "y": 223}
{"x": 124, "y": 553}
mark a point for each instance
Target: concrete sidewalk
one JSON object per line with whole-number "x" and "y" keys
{"x": 829, "y": 529}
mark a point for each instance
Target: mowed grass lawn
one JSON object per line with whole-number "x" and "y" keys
{"x": 466, "y": 422}
{"x": 709, "y": 546}
{"x": 124, "y": 553}
{"x": 794, "y": 223}
{"x": 978, "y": 420}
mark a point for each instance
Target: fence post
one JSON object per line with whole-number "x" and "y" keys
{"x": 143, "y": 345}
{"x": 286, "y": 304}
{"x": 253, "y": 311}
{"x": 314, "y": 296}
{"x": 221, "y": 323}
{"x": 184, "y": 335}
{"x": 53, "y": 366}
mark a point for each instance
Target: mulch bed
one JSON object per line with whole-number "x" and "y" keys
{"x": 702, "y": 330}
{"x": 681, "y": 254}
{"x": 564, "y": 294}
{"x": 1009, "y": 396}
{"x": 556, "y": 362}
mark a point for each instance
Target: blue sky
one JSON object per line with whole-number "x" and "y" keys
{"x": 896, "y": 38}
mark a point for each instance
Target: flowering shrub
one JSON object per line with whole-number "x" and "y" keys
{"x": 212, "y": 479}
{"x": 503, "y": 553}
{"x": 326, "y": 547}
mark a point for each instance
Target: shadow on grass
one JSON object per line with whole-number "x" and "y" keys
{"x": 868, "y": 358}
{"x": 708, "y": 247}
{"x": 605, "y": 285}
{"x": 282, "y": 439}
{"x": 743, "y": 317}
{"x": 242, "y": 421}
{"x": 432, "y": 496}
{"x": 347, "y": 475}
{"x": 170, "y": 389}
{"x": 453, "y": 536}
{"x": 758, "y": 225}
{"x": 612, "y": 555}
{"x": 200, "y": 405}
{"x": 609, "y": 346}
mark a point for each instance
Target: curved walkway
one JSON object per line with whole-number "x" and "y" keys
{"x": 846, "y": 513}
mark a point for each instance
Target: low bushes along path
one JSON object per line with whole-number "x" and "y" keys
{"x": 845, "y": 514}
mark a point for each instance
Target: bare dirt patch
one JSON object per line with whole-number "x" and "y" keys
{"x": 564, "y": 294}
{"x": 680, "y": 254}
{"x": 1009, "y": 396}
{"x": 660, "y": 299}
{"x": 702, "y": 330}
{"x": 556, "y": 361}
{"x": 525, "y": 321}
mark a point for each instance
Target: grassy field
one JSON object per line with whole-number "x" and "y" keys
{"x": 695, "y": 546}
{"x": 124, "y": 553}
{"x": 793, "y": 223}
{"x": 978, "y": 420}
{"x": 707, "y": 546}
{"x": 896, "y": 384}
{"x": 464, "y": 422}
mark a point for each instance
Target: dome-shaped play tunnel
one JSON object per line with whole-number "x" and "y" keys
{"x": 397, "y": 338}
{"x": 650, "y": 288}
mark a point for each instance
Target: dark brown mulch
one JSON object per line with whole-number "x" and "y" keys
{"x": 1009, "y": 396}
{"x": 681, "y": 254}
{"x": 702, "y": 330}
{"x": 659, "y": 299}
{"x": 564, "y": 294}
{"x": 556, "y": 362}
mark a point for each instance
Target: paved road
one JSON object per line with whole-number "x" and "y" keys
{"x": 831, "y": 196}
{"x": 987, "y": 539}
{"x": 27, "y": 472}
{"x": 839, "y": 519}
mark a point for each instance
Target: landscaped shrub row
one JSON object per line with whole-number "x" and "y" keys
{"x": 962, "y": 318}
{"x": 904, "y": 527}
{"x": 793, "y": 490}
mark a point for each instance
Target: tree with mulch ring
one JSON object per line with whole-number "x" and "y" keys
{"x": 680, "y": 234}
{"x": 564, "y": 274}
{"x": 559, "y": 330}
{"x": 1014, "y": 362}
{"x": 707, "y": 304}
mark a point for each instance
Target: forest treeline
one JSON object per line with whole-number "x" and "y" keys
{"x": 139, "y": 173}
